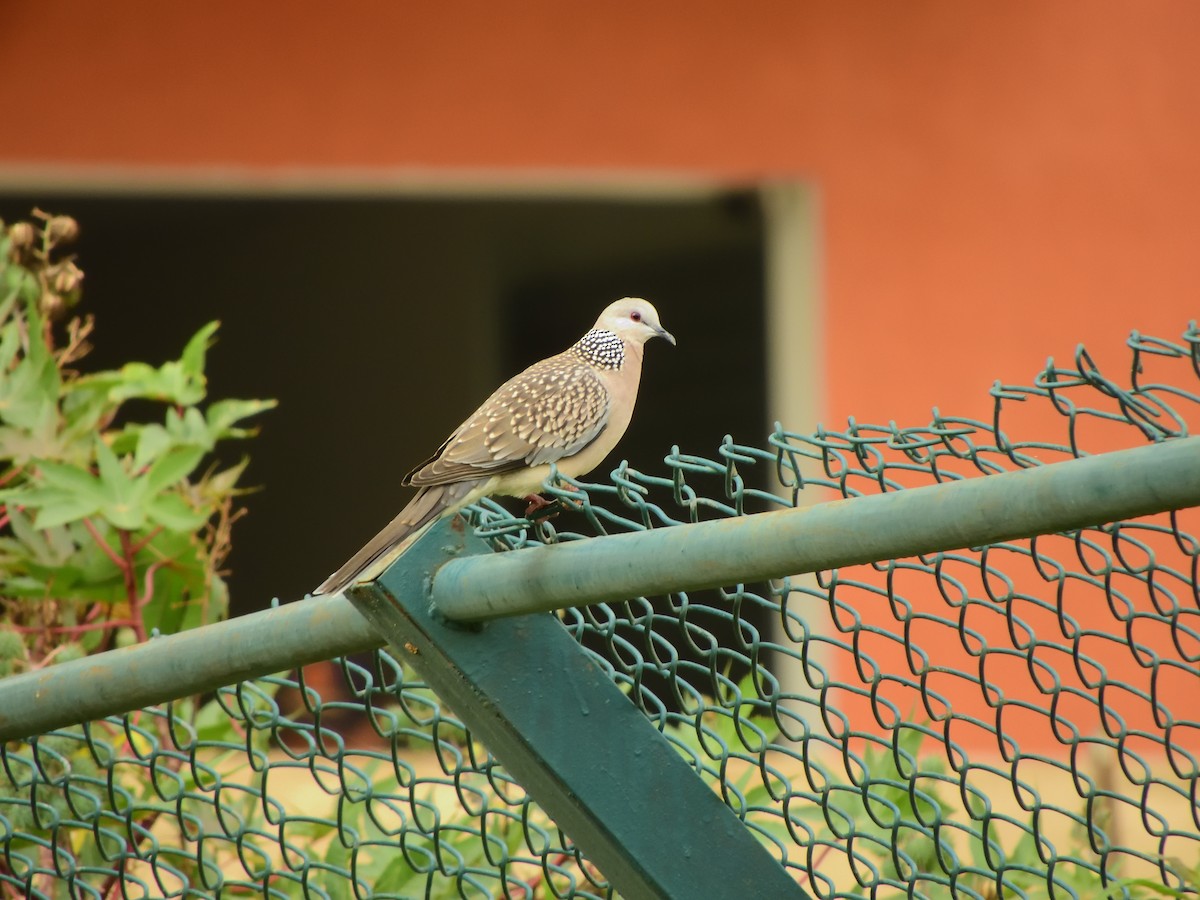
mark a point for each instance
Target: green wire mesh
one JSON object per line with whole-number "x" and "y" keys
{"x": 1016, "y": 720}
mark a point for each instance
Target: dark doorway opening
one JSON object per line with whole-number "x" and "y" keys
{"x": 380, "y": 323}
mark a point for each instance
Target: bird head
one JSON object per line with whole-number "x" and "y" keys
{"x": 634, "y": 320}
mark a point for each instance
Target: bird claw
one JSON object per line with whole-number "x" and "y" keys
{"x": 540, "y": 508}
{"x": 576, "y": 505}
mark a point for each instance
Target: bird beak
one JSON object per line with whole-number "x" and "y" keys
{"x": 665, "y": 335}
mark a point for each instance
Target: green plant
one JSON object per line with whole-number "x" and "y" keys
{"x": 1190, "y": 887}
{"x": 114, "y": 518}
{"x": 897, "y": 806}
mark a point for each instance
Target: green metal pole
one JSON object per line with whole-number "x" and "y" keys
{"x": 582, "y": 750}
{"x": 967, "y": 513}
{"x": 180, "y": 665}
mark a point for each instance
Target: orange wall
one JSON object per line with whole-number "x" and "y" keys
{"x": 998, "y": 181}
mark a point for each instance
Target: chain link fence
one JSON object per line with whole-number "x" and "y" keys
{"x": 1015, "y": 720}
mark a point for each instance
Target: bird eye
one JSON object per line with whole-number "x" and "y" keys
{"x": 636, "y": 316}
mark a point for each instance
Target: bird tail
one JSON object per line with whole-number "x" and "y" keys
{"x": 428, "y": 506}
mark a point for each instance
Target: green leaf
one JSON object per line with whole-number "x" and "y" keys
{"x": 337, "y": 857}
{"x": 23, "y": 586}
{"x": 395, "y": 876}
{"x": 70, "y": 480}
{"x": 40, "y": 441}
{"x": 220, "y": 484}
{"x": 152, "y": 440}
{"x": 172, "y": 467}
{"x": 189, "y": 428}
{"x": 85, "y": 411}
{"x": 10, "y": 343}
{"x": 172, "y": 511}
{"x": 185, "y": 592}
{"x": 180, "y": 382}
{"x": 62, "y": 545}
{"x": 67, "y": 508}
{"x": 118, "y": 485}
{"x": 30, "y": 389}
{"x": 86, "y": 388}
{"x": 192, "y": 360}
{"x": 124, "y": 515}
{"x": 37, "y": 546}
{"x": 125, "y": 441}
{"x": 191, "y": 614}
{"x": 138, "y": 379}
{"x": 95, "y": 566}
{"x": 9, "y": 301}
{"x": 19, "y": 281}
{"x": 123, "y": 496}
{"x": 224, "y": 413}
{"x": 1157, "y": 887}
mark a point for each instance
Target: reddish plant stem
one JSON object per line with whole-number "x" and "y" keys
{"x": 89, "y": 622}
{"x": 46, "y": 863}
{"x": 109, "y": 884}
{"x": 536, "y": 878}
{"x": 148, "y": 590}
{"x": 61, "y": 629}
{"x": 4, "y": 507}
{"x": 804, "y": 877}
{"x": 141, "y": 545}
{"x": 125, "y": 562}
{"x": 127, "y": 553}
{"x": 104, "y": 545}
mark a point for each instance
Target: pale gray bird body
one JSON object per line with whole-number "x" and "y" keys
{"x": 569, "y": 410}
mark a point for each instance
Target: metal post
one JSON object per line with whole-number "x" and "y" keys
{"x": 579, "y": 746}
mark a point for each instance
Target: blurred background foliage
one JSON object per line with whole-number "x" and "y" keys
{"x": 115, "y": 514}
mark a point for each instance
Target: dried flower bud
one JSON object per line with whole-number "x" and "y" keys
{"x": 51, "y": 305}
{"x": 21, "y": 235}
{"x": 67, "y": 278}
{"x": 61, "y": 228}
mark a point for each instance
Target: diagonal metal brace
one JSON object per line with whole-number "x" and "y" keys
{"x": 577, "y": 744}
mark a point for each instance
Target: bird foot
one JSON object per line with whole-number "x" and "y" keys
{"x": 570, "y": 504}
{"x": 540, "y": 508}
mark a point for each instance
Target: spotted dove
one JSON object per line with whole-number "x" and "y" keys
{"x": 569, "y": 410}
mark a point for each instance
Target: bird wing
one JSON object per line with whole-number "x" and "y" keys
{"x": 549, "y": 412}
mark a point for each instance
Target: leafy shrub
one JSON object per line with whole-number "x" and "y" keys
{"x": 114, "y": 518}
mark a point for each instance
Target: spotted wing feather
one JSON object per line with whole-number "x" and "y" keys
{"x": 552, "y": 410}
